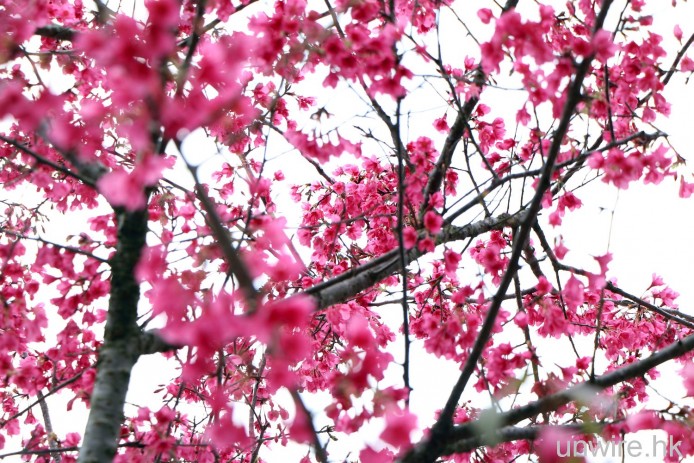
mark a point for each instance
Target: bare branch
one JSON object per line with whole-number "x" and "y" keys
{"x": 52, "y": 444}
{"x": 349, "y": 284}
{"x": 25, "y": 149}
{"x": 236, "y": 265}
{"x": 151, "y": 342}
{"x": 510, "y": 434}
{"x": 321, "y": 454}
{"x": 580, "y": 391}
{"x": 55, "y": 31}
{"x": 430, "y": 447}
{"x": 72, "y": 249}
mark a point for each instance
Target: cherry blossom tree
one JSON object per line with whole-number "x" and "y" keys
{"x": 286, "y": 201}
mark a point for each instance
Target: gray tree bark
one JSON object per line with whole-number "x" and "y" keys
{"x": 121, "y": 347}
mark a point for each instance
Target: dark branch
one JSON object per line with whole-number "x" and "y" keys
{"x": 25, "y": 149}
{"x": 72, "y": 249}
{"x": 236, "y": 264}
{"x": 151, "y": 342}
{"x": 349, "y": 284}
{"x": 510, "y": 434}
{"x": 55, "y": 31}
{"x": 121, "y": 348}
{"x": 581, "y": 391}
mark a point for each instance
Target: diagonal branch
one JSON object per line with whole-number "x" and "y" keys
{"x": 321, "y": 454}
{"x": 510, "y": 434}
{"x": 349, "y": 284}
{"x": 72, "y": 249}
{"x": 237, "y": 266}
{"x": 42, "y": 160}
{"x": 231, "y": 255}
{"x": 672, "y": 315}
{"x": 52, "y": 444}
{"x": 675, "y": 316}
{"x": 580, "y": 391}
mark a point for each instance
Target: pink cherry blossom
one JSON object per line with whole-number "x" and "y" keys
{"x": 688, "y": 375}
{"x": 433, "y": 222}
{"x": 399, "y": 426}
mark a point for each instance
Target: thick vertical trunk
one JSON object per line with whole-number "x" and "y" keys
{"x": 116, "y": 360}
{"x": 121, "y": 347}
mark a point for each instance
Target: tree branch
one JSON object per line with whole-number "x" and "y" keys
{"x": 72, "y": 249}
{"x": 121, "y": 348}
{"x": 237, "y": 266}
{"x": 321, "y": 454}
{"x": 510, "y": 434}
{"x": 151, "y": 342}
{"x": 349, "y": 284}
{"x": 56, "y": 31}
{"x": 57, "y": 167}
{"x": 674, "y": 316}
{"x": 49, "y": 427}
{"x": 455, "y": 133}
{"x": 580, "y": 391}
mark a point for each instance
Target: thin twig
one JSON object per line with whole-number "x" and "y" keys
{"x": 56, "y": 245}
{"x": 52, "y": 444}
{"x": 48, "y": 162}
{"x": 403, "y": 262}
{"x": 321, "y": 454}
